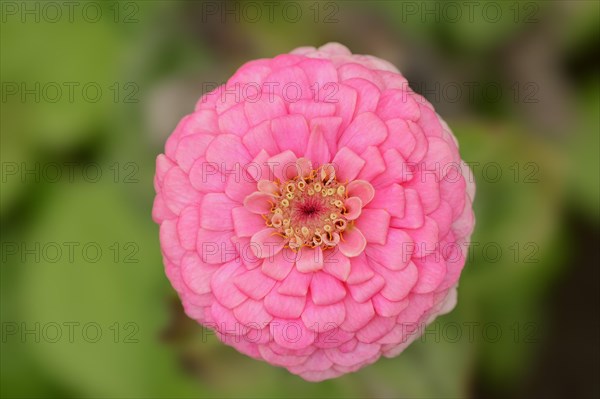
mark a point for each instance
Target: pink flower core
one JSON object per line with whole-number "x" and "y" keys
{"x": 310, "y": 210}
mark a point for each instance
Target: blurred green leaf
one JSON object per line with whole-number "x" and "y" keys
{"x": 105, "y": 292}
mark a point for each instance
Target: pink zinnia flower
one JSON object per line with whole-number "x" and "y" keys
{"x": 314, "y": 211}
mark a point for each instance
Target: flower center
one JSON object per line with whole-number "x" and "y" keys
{"x": 309, "y": 210}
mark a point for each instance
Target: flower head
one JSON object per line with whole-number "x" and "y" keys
{"x": 314, "y": 211}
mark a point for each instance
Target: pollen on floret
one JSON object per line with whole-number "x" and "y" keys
{"x": 309, "y": 210}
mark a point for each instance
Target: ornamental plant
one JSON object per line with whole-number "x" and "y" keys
{"x": 314, "y": 211}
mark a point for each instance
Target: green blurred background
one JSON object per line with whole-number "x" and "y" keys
{"x": 91, "y": 90}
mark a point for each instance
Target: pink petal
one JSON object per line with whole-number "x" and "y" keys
{"x": 391, "y": 199}
{"x": 201, "y": 122}
{"x": 346, "y": 98}
{"x": 311, "y": 109}
{"x": 322, "y": 318}
{"x": 233, "y": 121}
{"x": 173, "y": 140}
{"x": 363, "y": 291}
{"x": 160, "y": 210}
{"x": 215, "y": 212}
{"x": 348, "y": 346}
{"x": 224, "y": 289}
{"x": 397, "y": 170}
{"x": 283, "y": 166}
{"x": 259, "y": 203}
{"x": 259, "y": 169}
{"x": 246, "y": 223}
{"x": 228, "y": 151}
{"x": 374, "y": 224}
{"x": 396, "y": 253}
{"x": 377, "y": 328}
{"x": 254, "y": 72}
{"x": 375, "y": 164}
{"x": 295, "y": 284}
{"x": 326, "y": 289}
{"x": 320, "y": 73}
{"x": 448, "y": 303}
{"x": 414, "y": 217}
{"x": 317, "y": 149}
{"x": 353, "y": 244}
{"x": 443, "y": 217}
{"x": 191, "y": 148}
{"x": 387, "y": 308}
{"x": 361, "y": 353}
{"x": 209, "y": 100}
{"x": 292, "y": 84}
{"x": 354, "y": 70}
{"x": 432, "y": 270}
{"x": 413, "y": 314}
{"x": 368, "y": 94}
{"x": 336, "y": 264}
{"x": 426, "y": 184}
{"x": 280, "y": 265}
{"x": 400, "y": 137}
{"x": 333, "y": 337}
{"x": 169, "y": 241}
{"x": 353, "y": 206}
{"x": 429, "y": 122}
{"x": 187, "y": 227}
{"x": 291, "y": 133}
{"x": 347, "y": 164}
{"x": 274, "y": 358}
{"x": 360, "y": 314}
{"x": 309, "y": 259}
{"x": 318, "y": 361}
{"x": 178, "y": 192}
{"x": 426, "y": 238}
{"x": 163, "y": 165}
{"x": 223, "y": 320}
{"x": 260, "y": 138}
{"x": 453, "y": 193}
{"x": 197, "y": 274}
{"x": 266, "y": 243}
{"x": 360, "y": 270}
{"x": 246, "y": 256}
{"x": 215, "y": 246}
{"x": 285, "y": 60}
{"x": 254, "y": 283}
{"x": 206, "y": 176}
{"x": 264, "y": 108}
{"x": 393, "y": 80}
{"x": 455, "y": 261}
{"x": 284, "y": 306}
{"x": 421, "y": 143}
{"x": 291, "y": 334}
{"x": 398, "y": 104}
{"x": 252, "y": 313}
{"x": 267, "y": 187}
{"x": 329, "y": 127}
{"x": 398, "y": 283}
{"x": 365, "y": 130}
{"x": 239, "y": 185}
{"x": 304, "y": 167}
{"x": 361, "y": 189}
{"x": 334, "y": 48}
